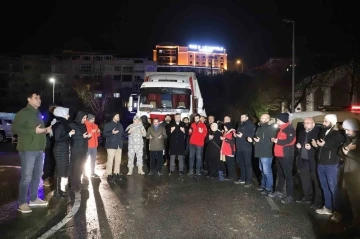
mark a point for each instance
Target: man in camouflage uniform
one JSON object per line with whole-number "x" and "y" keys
{"x": 136, "y": 132}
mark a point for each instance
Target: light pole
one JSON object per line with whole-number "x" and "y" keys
{"x": 238, "y": 62}
{"x": 293, "y": 66}
{"x": 52, "y": 80}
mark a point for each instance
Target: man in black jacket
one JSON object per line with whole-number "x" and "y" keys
{"x": 244, "y": 150}
{"x": 113, "y": 134}
{"x": 330, "y": 140}
{"x": 146, "y": 152}
{"x": 306, "y": 164}
{"x": 178, "y": 132}
{"x": 264, "y": 151}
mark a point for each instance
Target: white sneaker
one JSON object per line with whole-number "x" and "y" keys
{"x": 324, "y": 211}
{"x": 38, "y": 203}
{"x": 24, "y": 208}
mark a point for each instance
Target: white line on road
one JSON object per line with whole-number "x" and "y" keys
{"x": 272, "y": 204}
{"x": 9, "y": 166}
{"x": 73, "y": 211}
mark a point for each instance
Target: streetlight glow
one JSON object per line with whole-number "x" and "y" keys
{"x": 52, "y": 80}
{"x": 238, "y": 62}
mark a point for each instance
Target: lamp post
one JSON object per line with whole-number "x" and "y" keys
{"x": 238, "y": 62}
{"x": 52, "y": 80}
{"x": 293, "y": 66}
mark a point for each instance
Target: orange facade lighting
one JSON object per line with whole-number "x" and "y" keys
{"x": 192, "y": 55}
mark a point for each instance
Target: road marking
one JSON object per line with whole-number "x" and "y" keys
{"x": 73, "y": 211}
{"x": 272, "y": 204}
{"x": 296, "y": 237}
{"x": 8, "y": 166}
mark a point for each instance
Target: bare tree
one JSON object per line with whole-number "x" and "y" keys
{"x": 97, "y": 104}
{"x": 352, "y": 73}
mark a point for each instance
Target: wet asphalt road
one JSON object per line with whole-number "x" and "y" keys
{"x": 157, "y": 207}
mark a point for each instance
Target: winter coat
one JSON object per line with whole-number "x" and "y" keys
{"x": 228, "y": 145}
{"x": 286, "y": 139}
{"x": 247, "y": 128}
{"x": 156, "y": 143}
{"x": 78, "y": 143}
{"x": 197, "y": 138}
{"x": 136, "y": 135}
{"x": 93, "y": 141}
{"x": 213, "y": 146}
{"x": 178, "y": 139}
{"x": 113, "y": 141}
{"x": 264, "y": 148}
{"x": 328, "y": 154}
{"x": 61, "y": 151}
{"x": 24, "y": 124}
{"x": 306, "y": 138}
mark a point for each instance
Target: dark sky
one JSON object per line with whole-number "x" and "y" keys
{"x": 251, "y": 29}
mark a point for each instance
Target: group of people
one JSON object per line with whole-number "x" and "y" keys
{"x": 217, "y": 148}
{"x": 72, "y": 143}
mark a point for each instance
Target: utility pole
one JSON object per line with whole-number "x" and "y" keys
{"x": 293, "y": 66}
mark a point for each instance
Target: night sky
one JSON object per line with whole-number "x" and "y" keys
{"x": 251, "y": 29}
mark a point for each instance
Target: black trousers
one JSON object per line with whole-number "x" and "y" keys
{"x": 214, "y": 164}
{"x": 49, "y": 164}
{"x": 284, "y": 167}
{"x": 309, "y": 180}
{"x": 230, "y": 166}
{"x": 156, "y": 161}
{"x": 244, "y": 160}
{"x": 77, "y": 163}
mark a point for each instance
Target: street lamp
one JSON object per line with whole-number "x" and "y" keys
{"x": 238, "y": 62}
{"x": 52, "y": 80}
{"x": 293, "y": 66}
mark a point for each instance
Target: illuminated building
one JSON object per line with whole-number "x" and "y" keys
{"x": 196, "y": 58}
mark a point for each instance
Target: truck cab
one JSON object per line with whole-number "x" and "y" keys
{"x": 167, "y": 93}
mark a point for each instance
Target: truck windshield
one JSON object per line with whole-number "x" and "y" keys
{"x": 164, "y": 98}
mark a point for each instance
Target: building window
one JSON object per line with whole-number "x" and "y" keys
{"x": 108, "y": 58}
{"x": 27, "y": 67}
{"x": 116, "y": 95}
{"x": 197, "y": 63}
{"x": 86, "y": 58}
{"x": 98, "y": 95}
{"x": 117, "y": 68}
{"x": 197, "y": 56}
{"x": 98, "y": 58}
{"x": 137, "y": 78}
{"x": 108, "y": 67}
{"x": 117, "y": 77}
{"x": 127, "y": 69}
{"x": 204, "y": 63}
{"x": 86, "y": 68}
{"x": 160, "y": 51}
{"x": 203, "y": 57}
{"x": 190, "y": 62}
{"x": 126, "y": 78}
{"x": 150, "y": 68}
{"x": 191, "y": 56}
{"x": 221, "y": 64}
{"x": 221, "y": 58}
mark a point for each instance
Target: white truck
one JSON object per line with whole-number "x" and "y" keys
{"x": 165, "y": 93}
